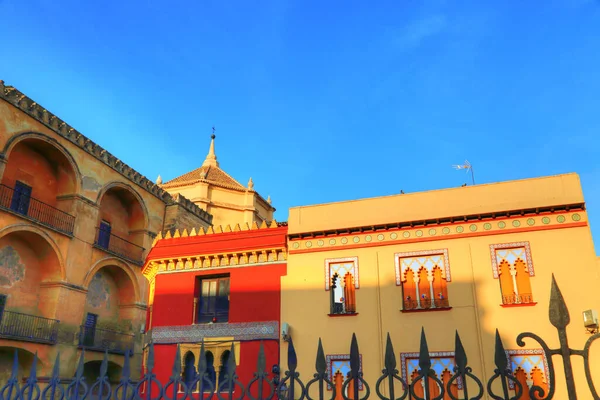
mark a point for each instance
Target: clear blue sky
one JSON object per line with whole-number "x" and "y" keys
{"x": 322, "y": 101}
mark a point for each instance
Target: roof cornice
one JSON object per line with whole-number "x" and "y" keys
{"x": 19, "y": 100}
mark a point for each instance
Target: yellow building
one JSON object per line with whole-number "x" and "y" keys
{"x": 216, "y": 192}
{"x": 471, "y": 259}
{"x": 76, "y": 224}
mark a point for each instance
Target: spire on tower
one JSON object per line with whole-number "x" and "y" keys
{"x": 211, "y": 157}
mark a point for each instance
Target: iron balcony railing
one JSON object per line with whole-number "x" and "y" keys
{"x": 95, "y": 339}
{"x": 36, "y": 210}
{"x": 521, "y": 298}
{"x": 119, "y": 246}
{"x": 30, "y": 328}
{"x": 425, "y": 304}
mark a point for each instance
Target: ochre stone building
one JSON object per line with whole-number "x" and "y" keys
{"x": 222, "y": 288}
{"x": 471, "y": 259}
{"x": 76, "y": 224}
{"x": 216, "y": 192}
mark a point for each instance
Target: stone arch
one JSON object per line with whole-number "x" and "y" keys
{"x": 124, "y": 267}
{"x": 132, "y": 192}
{"x": 25, "y": 361}
{"x": 48, "y": 141}
{"x": 91, "y": 371}
{"x": 31, "y": 231}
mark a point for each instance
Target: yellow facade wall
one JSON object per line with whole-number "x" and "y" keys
{"x": 502, "y": 196}
{"x": 560, "y": 244}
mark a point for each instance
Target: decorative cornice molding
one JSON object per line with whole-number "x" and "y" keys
{"x": 195, "y": 333}
{"x": 456, "y": 230}
{"x": 246, "y": 258}
{"x": 66, "y": 285}
{"x": 448, "y": 221}
{"x": 19, "y": 100}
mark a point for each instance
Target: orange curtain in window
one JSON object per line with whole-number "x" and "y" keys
{"x": 446, "y": 376}
{"x": 538, "y": 380}
{"x": 418, "y": 387}
{"x": 424, "y": 289}
{"x": 522, "y": 378}
{"x": 506, "y": 283}
{"x": 338, "y": 381}
{"x": 349, "y": 293}
{"x": 523, "y": 284}
{"x": 350, "y": 389}
{"x": 409, "y": 290}
{"x": 439, "y": 288}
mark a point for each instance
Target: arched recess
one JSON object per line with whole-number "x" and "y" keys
{"x": 25, "y": 362}
{"x": 29, "y": 258}
{"x": 91, "y": 372}
{"x": 42, "y": 163}
{"x": 112, "y": 296}
{"x": 122, "y": 220}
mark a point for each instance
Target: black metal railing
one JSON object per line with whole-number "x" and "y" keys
{"x": 425, "y": 384}
{"x": 521, "y": 298}
{"x": 36, "y": 210}
{"x": 96, "y": 339}
{"x": 30, "y": 328}
{"x": 118, "y": 246}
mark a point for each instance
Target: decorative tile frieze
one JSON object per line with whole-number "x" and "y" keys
{"x": 430, "y": 232}
{"x": 195, "y": 333}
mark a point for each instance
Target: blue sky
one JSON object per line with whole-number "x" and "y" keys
{"x": 322, "y": 101}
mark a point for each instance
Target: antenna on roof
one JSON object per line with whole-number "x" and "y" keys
{"x": 467, "y": 166}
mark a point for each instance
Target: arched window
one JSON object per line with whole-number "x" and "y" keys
{"x": 424, "y": 277}
{"x": 511, "y": 263}
{"x": 530, "y": 368}
{"x": 189, "y": 370}
{"x": 210, "y": 370}
{"x": 342, "y": 282}
{"x": 224, "y": 370}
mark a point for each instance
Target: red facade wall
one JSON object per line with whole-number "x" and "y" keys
{"x": 254, "y": 294}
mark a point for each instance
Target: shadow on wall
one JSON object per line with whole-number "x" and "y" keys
{"x": 475, "y": 323}
{"x": 7, "y": 356}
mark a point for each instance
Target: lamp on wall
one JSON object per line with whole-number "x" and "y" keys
{"x": 590, "y": 321}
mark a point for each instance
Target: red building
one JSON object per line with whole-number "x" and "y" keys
{"x": 223, "y": 288}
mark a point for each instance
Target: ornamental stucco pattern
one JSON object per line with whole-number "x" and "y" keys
{"x": 195, "y": 333}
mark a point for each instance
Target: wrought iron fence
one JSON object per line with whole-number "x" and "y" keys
{"x": 36, "y": 210}
{"x": 425, "y": 385}
{"x": 115, "y": 342}
{"x": 119, "y": 246}
{"x": 31, "y": 328}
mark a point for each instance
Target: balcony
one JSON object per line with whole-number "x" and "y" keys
{"x": 118, "y": 246}
{"x": 94, "y": 339}
{"x": 29, "y": 328}
{"x": 518, "y": 299}
{"x": 425, "y": 304}
{"x": 28, "y": 207}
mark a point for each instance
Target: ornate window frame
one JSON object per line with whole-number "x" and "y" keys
{"x": 329, "y": 261}
{"x": 441, "y": 252}
{"x": 513, "y": 245}
{"x": 525, "y": 352}
{"x": 432, "y": 354}
{"x": 335, "y": 357}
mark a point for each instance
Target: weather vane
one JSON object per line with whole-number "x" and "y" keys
{"x": 213, "y": 132}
